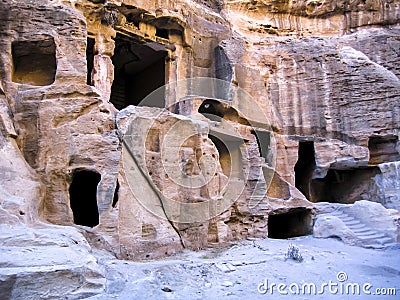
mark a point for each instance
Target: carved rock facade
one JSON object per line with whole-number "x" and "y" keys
{"x": 325, "y": 74}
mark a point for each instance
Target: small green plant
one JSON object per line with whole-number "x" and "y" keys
{"x": 294, "y": 253}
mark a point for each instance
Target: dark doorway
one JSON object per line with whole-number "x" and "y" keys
{"x": 304, "y": 168}
{"x": 115, "y": 198}
{"x": 230, "y": 155}
{"x": 139, "y": 69}
{"x": 291, "y": 224}
{"x": 90, "y": 60}
{"x": 224, "y": 155}
{"x": 83, "y": 200}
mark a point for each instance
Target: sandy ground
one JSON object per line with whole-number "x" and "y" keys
{"x": 244, "y": 270}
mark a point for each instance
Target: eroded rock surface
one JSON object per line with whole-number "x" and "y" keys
{"x": 47, "y": 262}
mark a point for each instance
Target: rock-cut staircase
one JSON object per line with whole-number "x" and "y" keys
{"x": 364, "y": 234}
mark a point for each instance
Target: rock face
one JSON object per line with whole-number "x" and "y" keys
{"x": 47, "y": 262}
{"x": 332, "y": 226}
{"x": 308, "y": 111}
{"x": 388, "y": 183}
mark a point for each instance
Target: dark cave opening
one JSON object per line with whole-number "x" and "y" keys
{"x": 304, "y": 167}
{"x": 212, "y": 109}
{"x": 296, "y": 222}
{"x": 345, "y": 186}
{"x": 383, "y": 149}
{"x": 139, "y": 69}
{"x": 224, "y": 155}
{"x": 162, "y": 33}
{"x": 116, "y": 196}
{"x": 83, "y": 197}
{"x": 215, "y": 110}
{"x": 34, "y": 62}
{"x": 263, "y": 139}
{"x": 89, "y": 59}
{"x": 338, "y": 186}
{"x": 230, "y": 155}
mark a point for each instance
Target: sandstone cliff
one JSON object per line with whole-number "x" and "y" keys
{"x": 309, "y": 111}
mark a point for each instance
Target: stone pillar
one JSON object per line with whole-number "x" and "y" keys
{"x": 103, "y": 68}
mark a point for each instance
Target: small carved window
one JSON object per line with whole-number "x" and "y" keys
{"x": 34, "y": 62}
